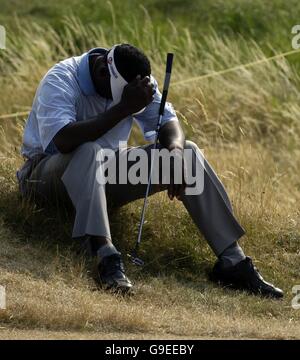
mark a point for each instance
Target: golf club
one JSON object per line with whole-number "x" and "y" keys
{"x": 134, "y": 254}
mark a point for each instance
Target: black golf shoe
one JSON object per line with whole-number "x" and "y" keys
{"x": 244, "y": 276}
{"x": 112, "y": 274}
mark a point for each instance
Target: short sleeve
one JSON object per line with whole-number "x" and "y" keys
{"x": 147, "y": 120}
{"x": 55, "y": 107}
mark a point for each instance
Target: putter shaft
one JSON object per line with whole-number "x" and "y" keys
{"x": 169, "y": 63}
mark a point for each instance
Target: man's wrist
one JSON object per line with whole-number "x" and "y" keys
{"x": 122, "y": 109}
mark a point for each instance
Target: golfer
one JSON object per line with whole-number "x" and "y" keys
{"x": 88, "y": 103}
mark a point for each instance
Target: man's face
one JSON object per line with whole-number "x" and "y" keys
{"x": 100, "y": 75}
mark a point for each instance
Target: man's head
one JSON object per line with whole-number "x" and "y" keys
{"x": 127, "y": 60}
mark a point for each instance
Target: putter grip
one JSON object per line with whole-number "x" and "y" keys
{"x": 166, "y": 83}
{"x": 169, "y": 63}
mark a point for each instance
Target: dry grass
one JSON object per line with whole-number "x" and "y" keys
{"x": 247, "y": 124}
{"x": 49, "y": 287}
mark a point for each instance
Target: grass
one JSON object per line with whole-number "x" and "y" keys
{"x": 246, "y": 122}
{"x": 250, "y": 19}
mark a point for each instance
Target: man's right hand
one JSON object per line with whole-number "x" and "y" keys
{"x": 137, "y": 94}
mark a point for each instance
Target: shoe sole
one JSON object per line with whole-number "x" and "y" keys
{"x": 117, "y": 289}
{"x": 231, "y": 286}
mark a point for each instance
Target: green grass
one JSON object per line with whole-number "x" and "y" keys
{"x": 254, "y": 20}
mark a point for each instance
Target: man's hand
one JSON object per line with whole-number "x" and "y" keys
{"x": 176, "y": 190}
{"x": 137, "y": 94}
{"x": 171, "y": 137}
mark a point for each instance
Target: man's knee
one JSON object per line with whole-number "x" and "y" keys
{"x": 88, "y": 149}
{"x": 192, "y": 152}
{"x": 83, "y": 160}
{"x": 190, "y": 145}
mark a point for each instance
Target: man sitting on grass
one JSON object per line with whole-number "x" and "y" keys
{"x": 87, "y": 103}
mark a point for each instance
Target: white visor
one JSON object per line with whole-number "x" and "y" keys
{"x": 117, "y": 82}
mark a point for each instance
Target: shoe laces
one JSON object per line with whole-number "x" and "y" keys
{"x": 254, "y": 270}
{"x": 114, "y": 263}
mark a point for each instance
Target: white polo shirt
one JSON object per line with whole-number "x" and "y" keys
{"x": 67, "y": 94}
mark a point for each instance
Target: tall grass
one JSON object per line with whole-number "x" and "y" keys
{"x": 253, "y": 19}
{"x": 247, "y": 122}
{"x": 259, "y": 103}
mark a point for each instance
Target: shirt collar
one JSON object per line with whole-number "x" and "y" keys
{"x": 83, "y": 72}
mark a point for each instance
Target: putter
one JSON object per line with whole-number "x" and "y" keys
{"x": 134, "y": 254}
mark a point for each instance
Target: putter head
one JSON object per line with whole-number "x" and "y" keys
{"x": 135, "y": 259}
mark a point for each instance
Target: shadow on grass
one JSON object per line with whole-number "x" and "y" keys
{"x": 171, "y": 248}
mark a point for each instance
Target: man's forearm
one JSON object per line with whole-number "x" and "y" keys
{"x": 171, "y": 136}
{"x": 79, "y": 132}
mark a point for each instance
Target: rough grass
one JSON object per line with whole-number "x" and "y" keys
{"x": 50, "y": 287}
{"x": 253, "y": 19}
{"x": 246, "y": 122}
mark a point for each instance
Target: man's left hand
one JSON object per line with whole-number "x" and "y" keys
{"x": 176, "y": 190}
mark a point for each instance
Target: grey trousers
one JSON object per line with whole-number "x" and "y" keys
{"x": 72, "y": 176}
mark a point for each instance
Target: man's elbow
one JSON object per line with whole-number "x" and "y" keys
{"x": 63, "y": 149}
{"x": 61, "y": 145}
